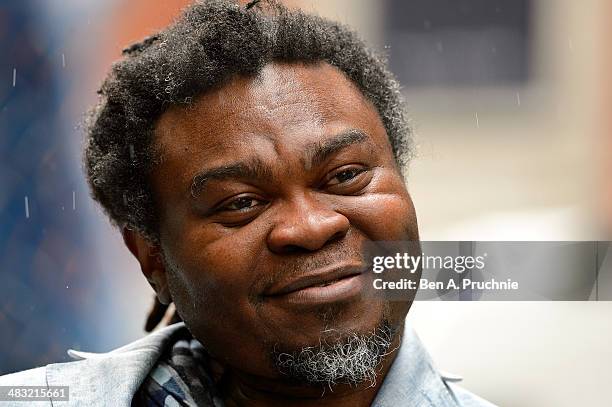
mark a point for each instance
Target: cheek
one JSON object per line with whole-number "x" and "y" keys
{"x": 210, "y": 287}
{"x": 385, "y": 216}
{"x": 213, "y": 260}
{"x": 210, "y": 276}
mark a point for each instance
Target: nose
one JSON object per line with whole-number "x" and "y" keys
{"x": 306, "y": 224}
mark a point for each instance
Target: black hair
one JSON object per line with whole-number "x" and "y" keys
{"x": 211, "y": 42}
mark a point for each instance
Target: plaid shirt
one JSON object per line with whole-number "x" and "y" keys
{"x": 179, "y": 378}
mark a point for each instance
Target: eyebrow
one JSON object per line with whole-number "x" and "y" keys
{"x": 318, "y": 152}
{"x": 252, "y": 169}
{"x": 315, "y": 154}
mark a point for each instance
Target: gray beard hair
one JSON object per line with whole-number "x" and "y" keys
{"x": 354, "y": 360}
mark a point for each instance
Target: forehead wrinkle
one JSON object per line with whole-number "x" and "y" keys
{"x": 280, "y": 86}
{"x": 299, "y": 113}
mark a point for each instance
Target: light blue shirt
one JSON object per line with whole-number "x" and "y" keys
{"x": 112, "y": 379}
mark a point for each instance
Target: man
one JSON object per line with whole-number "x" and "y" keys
{"x": 248, "y": 153}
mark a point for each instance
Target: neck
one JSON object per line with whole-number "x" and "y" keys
{"x": 242, "y": 389}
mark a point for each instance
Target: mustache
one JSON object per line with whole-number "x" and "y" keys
{"x": 301, "y": 264}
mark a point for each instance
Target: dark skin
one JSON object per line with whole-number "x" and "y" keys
{"x": 293, "y": 173}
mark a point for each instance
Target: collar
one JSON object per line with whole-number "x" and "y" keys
{"x": 113, "y": 378}
{"x": 412, "y": 379}
{"x": 110, "y": 378}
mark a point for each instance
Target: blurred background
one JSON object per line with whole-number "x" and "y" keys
{"x": 509, "y": 101}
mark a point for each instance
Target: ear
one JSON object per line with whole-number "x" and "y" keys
{"x": 151, "y": 264}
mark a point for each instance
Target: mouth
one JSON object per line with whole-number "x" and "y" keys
{"x": 319, "y": 287}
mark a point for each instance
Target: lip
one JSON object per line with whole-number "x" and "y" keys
{"x": 328, "y": 285}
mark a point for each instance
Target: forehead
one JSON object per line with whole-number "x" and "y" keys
{"x": 284, "y": 108}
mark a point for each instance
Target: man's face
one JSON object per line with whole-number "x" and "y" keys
{"x": 267, "y": 190}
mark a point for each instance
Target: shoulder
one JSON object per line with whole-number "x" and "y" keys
{"x": 32, "y": 377}
{"x": 116, "y": 374}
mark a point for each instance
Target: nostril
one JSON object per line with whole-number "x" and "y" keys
{"x": 311, "y": 244}
{"x": 292, "y": 249}
{"x": 337, "y": 236}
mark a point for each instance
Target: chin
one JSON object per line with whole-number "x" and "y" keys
{"x": 334, "y": 322}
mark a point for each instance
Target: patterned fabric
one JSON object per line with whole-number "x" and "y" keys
{"x": 179, "y": 378}
{"x": 116, "y": 377}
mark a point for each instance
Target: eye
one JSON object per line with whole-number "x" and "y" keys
{"x": 348, "y": 180}
{"x": 346, "y": 175}
{"x": 243, "y": 203}
{"x": 239, "y": 210}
